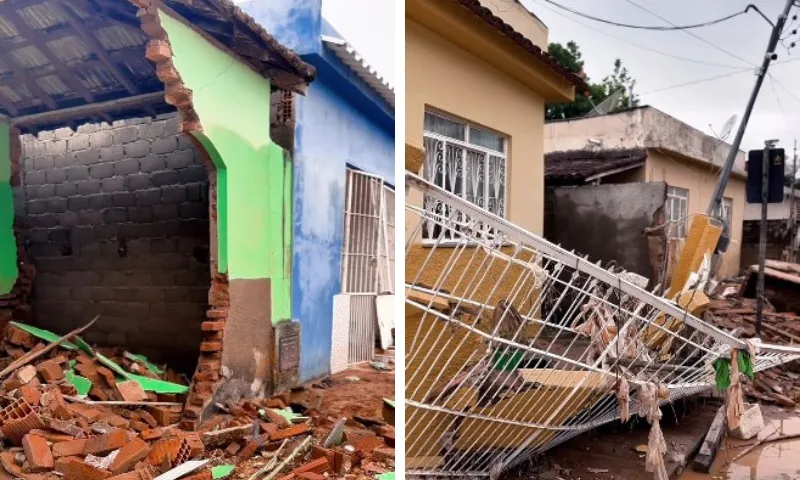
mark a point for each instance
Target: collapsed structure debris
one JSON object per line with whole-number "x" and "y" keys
{"x": 727, "y": 310}
{"x": 76, "y": 412}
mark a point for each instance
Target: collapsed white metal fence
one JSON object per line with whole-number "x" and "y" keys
{"x": 514, "y": 345}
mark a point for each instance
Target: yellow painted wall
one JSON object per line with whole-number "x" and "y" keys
{"x": 700, "y": 180}
{"x": 442, "y": 76}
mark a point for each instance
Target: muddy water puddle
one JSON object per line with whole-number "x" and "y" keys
{"x": 771, "y": 461}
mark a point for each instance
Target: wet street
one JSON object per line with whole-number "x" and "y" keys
{"x": 772, "y": 461}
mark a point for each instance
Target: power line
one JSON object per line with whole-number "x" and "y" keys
{"x": 727, "y": 52}
{"x": 633, "y": 44}
{"x": 775, "y": 80}
{"x": 695, "y": 82}
{"x": 645, "y": 27}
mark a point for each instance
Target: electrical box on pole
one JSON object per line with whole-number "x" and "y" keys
{"x": 755, "y": 159}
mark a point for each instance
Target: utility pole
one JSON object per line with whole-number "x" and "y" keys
{"x": 769, "y": 56}
{"x": 762, "y": 240}
{"x": 793, "y": 229}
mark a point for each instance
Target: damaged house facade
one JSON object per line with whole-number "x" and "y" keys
{"x": 343, "y": 210}
{"x": 173, "y": 227}
{"x": 621, "y": 175}
{"x": 477, "y": 80}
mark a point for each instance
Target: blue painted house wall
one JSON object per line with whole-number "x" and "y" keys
{"x": 340, "y": 122}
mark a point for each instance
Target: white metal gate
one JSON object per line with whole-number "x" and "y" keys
{"x": 362, "y": 233}
{"x": 367, "y": 258}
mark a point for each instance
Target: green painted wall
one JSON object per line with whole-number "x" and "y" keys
{"x": 254, "y": 195}
{"x": 8, "y": 244}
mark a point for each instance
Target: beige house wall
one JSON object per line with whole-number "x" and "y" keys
{"x": 443, "y": 77}
{"x": 700, "y": 180}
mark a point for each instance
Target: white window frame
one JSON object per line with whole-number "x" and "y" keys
{"x": 501, "y": 207}
{"x": 677, "y": 211}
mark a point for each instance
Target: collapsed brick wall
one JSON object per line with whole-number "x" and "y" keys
{"x": 118, "y": 226}
{"x": 778, "y": 240}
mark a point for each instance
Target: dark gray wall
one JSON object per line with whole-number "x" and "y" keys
{"x": 779, "y": 238}
{"x": 606, "y": 222}
{"x": 118, "y": 226}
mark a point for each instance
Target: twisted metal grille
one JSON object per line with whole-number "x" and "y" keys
{"x": 514, "y": 345}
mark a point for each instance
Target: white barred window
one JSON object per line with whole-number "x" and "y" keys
{"x": 467, "y": 161}
{"x": 677, "y": 211}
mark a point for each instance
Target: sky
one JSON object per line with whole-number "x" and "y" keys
{"x": 705, "y": 105}
{"x": 369, "y": 26}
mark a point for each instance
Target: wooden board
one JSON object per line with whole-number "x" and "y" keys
{"x": 708, "y": 450}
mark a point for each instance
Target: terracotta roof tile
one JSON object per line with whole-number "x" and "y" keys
{"x": 486, "y": 15}
{"x": 576, "y": 166}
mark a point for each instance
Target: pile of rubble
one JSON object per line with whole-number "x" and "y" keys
{"x": 727, "y": 310}
{"x": 70, "y": 411}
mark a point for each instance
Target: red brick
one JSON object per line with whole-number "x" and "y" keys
{"x": 211, "y": 346}
{"x": 75, "y": 469}
{"x": 310, "y": 476}
{"x": 106, "y": 443}
{"x": 88, "y": 413}
{"x": 163, "y": 415}
{"x": 38, "y": 453}
{"x": 151, "y": 434}
{"x": 31, "y": 394}
{"x": 158, "y": 51}
{"x": 292, "y": 431}
{"x": 384, "y": 454}
{"x": 19, "y": 337}
{"x": 148, "y": 419}
{"x": 131, "y": 391}
{"x": 212, "y": 326}
{"x": 164, "y": 449}
{"x": 200, "y": 476}
{"x": 70, "y": 448}
{"x": 318, "y": 465}
{"x": 133, "y": 452}
{"x": 50, "y": 371}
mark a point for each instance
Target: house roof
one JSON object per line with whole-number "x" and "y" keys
{"x": 580, "y": 166}
{"x": 58, "y": 56}
{"x": 501, "y": 26}
{"x": 355, "y": 62}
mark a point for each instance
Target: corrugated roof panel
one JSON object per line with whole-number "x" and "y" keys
{"x": 69, "y": 49}
{"x": 53, "y": 85}
{"x": 7, "y": 30}
{"x": 14, "y": 95}
{"x": 350, "y": 57}
{"x": 41, "y": 16}
{"x": 120, "y": 37}
{"x": 139, "y": 67}
{"x": 96, "y": 78}
{"x": 29, "y": 57}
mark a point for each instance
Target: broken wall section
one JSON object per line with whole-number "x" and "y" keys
{"x": 607, "y": 222}
{"x": 117, "y": 219}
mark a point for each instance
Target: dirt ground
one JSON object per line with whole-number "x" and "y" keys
{"x": 609, "y": 452}
{"x": 358, "y": 391}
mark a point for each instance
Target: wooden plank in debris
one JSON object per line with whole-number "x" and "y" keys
{"x": 708, "y": 450}
{"x": 424, "y": 298}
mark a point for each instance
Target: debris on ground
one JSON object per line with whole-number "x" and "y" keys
{"x": 779, "y": 385}
{"x": 72, "y": 411}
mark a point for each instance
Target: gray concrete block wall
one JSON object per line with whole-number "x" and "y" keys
{"x": 118, "y": 225}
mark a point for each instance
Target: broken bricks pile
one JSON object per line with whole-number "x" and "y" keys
{"x": 779, "y": 385}
{"x": 78, "y": 414}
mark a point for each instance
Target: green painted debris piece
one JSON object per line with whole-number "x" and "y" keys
{"x": 385, "y": 476}
{"x": 148, "y": 384}
{"x": 85, "y": 347}
{"x": 222, "y": 471}
{"x": 43, "y": 334}
{"x": 507, "y": 362}
{"x": 144, "y": 361}
{"x": 389, "y": 402}
{"x": 82, "y": 384}
{"x": 288, "y": 414}
{"x": 71, "y": 364}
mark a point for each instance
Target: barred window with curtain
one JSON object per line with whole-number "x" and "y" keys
{"x": 677, "y": 211}
{"x": 467, "y": 161}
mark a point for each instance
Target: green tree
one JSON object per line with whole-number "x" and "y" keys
{"x": 571, "y": 58}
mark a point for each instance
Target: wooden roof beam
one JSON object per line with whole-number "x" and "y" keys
{"x": 35, "y": 38}
{"x": 94, "y": 44}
